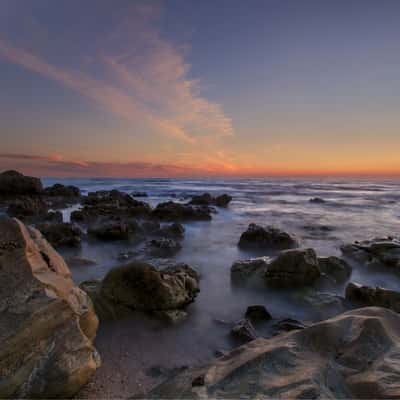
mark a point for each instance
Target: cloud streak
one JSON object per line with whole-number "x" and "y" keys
{"x": 144, "y": 78}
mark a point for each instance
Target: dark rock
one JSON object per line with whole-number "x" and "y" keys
{"x": 53, "y": 216}
{"x": 139, "y": 194}
{"x": 257, "y": 313}
{"x": 335, "y": 268}
{"x": 27, "y": 207}
{"x": 317, "y": 200}
{"x": 15, "y": 183}
{"x": 174, "y": 230}
{"x": 171, "y": 211}
{"x": 111, "y": 231}
{"x": 288, "y": 325}
{"x": 164, "y": 246}
{"x": 61, "y": 234}
{"x": 244, "y": 331}
{"x": 369, "y": 296}
{"x": 206, "y": 199}
{"x": 151, "y": 227}
{"x": 293, "y": 268}
{"x": 258, "y": 237}
{"x": 62, "y": 191}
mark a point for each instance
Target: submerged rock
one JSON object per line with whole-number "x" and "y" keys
{"x": 258, "y": 237}
{"x": 14, "y": 183}
{"x": 317, "y": 200}
{"x": 293, "y": 268}
{"x": 140, "y": 286}
{"x": 61, "y": 234}
{"x": 47, "y": 324}
{"x": 377, "y": 252}
{"x": 335, "y": 268}
{"x": 164, "y": 247}
{"x": 354, "y": 355}
{"x": 369, "y": 296}
{"x": 171, "y": 211}
{"x": 243, "y": 270}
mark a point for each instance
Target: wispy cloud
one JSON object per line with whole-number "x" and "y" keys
{"x": 144, "y": 78}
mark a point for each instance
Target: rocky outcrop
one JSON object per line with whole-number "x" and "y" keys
{"x": 113, "y": 230}
{"x": 376, "y": 253}
{"x": 370, "y": 296}
{"x": 206, "y": 199}
{"x": 171, "y": 211}
{"x": 244, "y": 331}
{"x": 14, "y": 183}
{"x": 140, "y": 286}
{"x": 27, "y": 206}
{"x": 47, "y": 324}
{"x": 257, "y": 312}
{"x": 268, "y": 238}
{"x": 59, "y": 190}
{"x": 174, "y": 231}
{"x": 61, "y": 234}
{"x": 354, "y": 355}
{"x": 335, "y": 268}
{"x": 244, "y": 270}
{"x": 293, "y": 268}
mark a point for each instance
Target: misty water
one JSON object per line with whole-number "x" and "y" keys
{"x": 136, "y": 349}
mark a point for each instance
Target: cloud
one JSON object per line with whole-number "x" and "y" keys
{"x": 137, "y": 75}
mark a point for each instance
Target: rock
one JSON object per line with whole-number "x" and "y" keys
{"x": 369, "y": 296}
{"x": 171, "y": 316}
{"x": 244, "y": 331}
{"x": 243, "y": 270}
{"x": 171, "y": 211}
{"x": 164, "y": 247}
{"x": 62, "y": 191}
{"x": 317, "y": 200}
{"x": 61, "y": 234}
{"x": 152, "y": 227}
{"x": 288, "y": 325}
{"x": 47, "y": 324}
{"x": 377, "y": 252}
{"x": 223, "y": 200}
{"x": 139, "y": 194}
{"x": 257, "y": 237}
{"x": 257, "y": 313}
{"x": 293, "y": 268}
{"x": 206, "y": 199}
{"x": 113, "y": 230}
{"x": 53, "y": 216}
{"x": 80, "y": 262}
{"x": 140, "y": 286}
{"x": 354, "y": 355}
{"x": 27, "y": 207}
{"x": 14, "y": 183}
{"x": 174, "y": 230}
{"x": 335, "y": 268}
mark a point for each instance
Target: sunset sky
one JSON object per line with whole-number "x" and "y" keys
{"x": 200, "y": 88}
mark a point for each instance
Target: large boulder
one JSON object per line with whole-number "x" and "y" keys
{"x": 170, "y": 211}
{"x": 268, "y": 238}
{"x": 293, "y": 268}
{"x": 140, "y": 286}
{"x": 60, "y": 190}
{"x": 354, "y": 355}
{"x": 14, "y": 183}
{"x": 373, "y": 296}
{"x": 47, "y": 324}
{"x": 379, "y": 252}
{"x": 61, "y": 234}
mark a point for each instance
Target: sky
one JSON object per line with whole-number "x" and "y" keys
{"x": 200, "y": 88}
